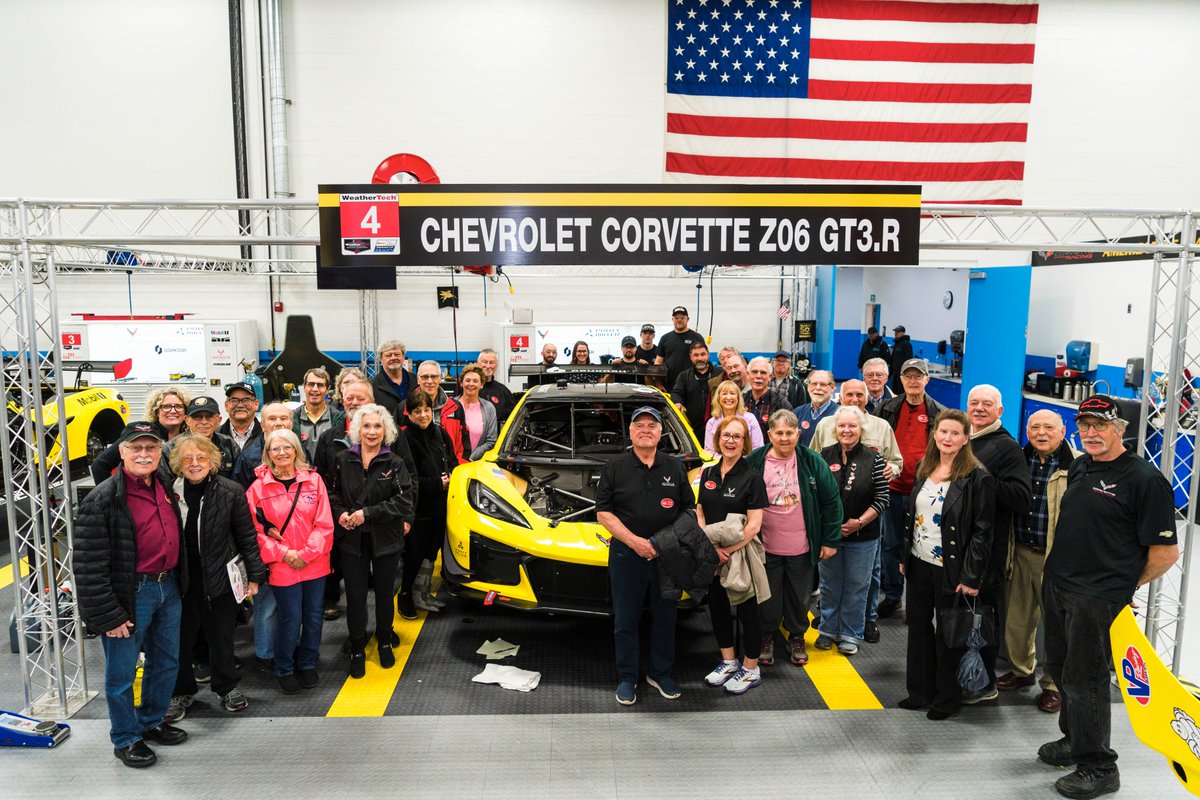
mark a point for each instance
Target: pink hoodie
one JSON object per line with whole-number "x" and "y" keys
{"x": 309, "y": 533}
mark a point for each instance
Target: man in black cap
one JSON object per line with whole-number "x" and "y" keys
{"x": 130, "y": 573}
{"x": 203, "y": 417}
{"x": 902, "y": 351}
{"x": 692, "y": 393}
{"x": 640, "y": 493}
{"x": 647, "y": 350}
{"x": 873, "y": 347}
{"x": 627, "y": 361}
{"x": 675, "y": 346}
{"x": 1116, "y": 532}
{"x": 785, "y": 382}
{"x": 241, "y": 407}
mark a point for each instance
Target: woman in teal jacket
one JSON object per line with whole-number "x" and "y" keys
{"x": 801, "y": 526}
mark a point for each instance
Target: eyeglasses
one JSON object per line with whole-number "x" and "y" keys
{"x": 312, "y": 385}
{"x": 1098, "y": 427}
{"x": 144, "y": 448}
{"x": 171, "y": 407}
{"x": 242, "y": 401}
{"x": 198, "y": 458}
{"x": 281, "y": 448}
{"x": 732, "y": 437}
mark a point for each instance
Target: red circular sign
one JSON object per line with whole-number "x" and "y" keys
{"x": 667, "y": 502}
{"x": 304, "y": 437}
{"x": 834, "y": 467}
{"x": 805, "y": 425}
{"x": 922, "y": 418}
{"x": 710, "y": 484}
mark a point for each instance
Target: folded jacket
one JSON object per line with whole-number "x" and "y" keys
{"x": 745, "y": 574}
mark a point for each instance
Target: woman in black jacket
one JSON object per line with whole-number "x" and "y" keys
{"x": 948, "y": 541}
{"x": 216, "y": 529}
{"x": 846, "y": 576}
{"x": 433, "y": 452}
{"x": 371, "y": 499}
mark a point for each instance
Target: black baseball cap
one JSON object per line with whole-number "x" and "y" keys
{"x": 651, "y": 410}
{"x": 142, "y": 429}
{"x": 899, "y": 329}
{"x": 679, "y": 310}
{"x": 1100, "y": 406}
{"x": 629, "y": 341}
{"x": 872, "y": 329}
{"x": 783, "y": 354}
{"x": 245, "y": 387}
{"x": 647, "y": 328}
{"x": 202, "y": 405}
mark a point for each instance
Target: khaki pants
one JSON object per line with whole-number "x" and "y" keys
{"x": 1023, "y": 613}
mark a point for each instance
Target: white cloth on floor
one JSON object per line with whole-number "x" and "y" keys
{"x": 521, "y": 680}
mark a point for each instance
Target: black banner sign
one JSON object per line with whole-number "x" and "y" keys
{"x": 449, "y": 225}
{"x": 1043, "y": 258}
{"x": 806, "y": 330}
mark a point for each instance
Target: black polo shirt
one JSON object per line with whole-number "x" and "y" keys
{"x": 1111, "y": 512}
{"x": 676, "y": 350}
{"x": 741, "y": 490}
{"x": 645, "y": 499}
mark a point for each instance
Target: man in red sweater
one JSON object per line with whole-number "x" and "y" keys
{"x": 911, "y": 416}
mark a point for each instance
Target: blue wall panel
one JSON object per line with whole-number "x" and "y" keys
{"x": 997, "y": 313}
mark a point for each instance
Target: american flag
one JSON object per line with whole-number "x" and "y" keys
{"x": 785, "y": 310}
{"x": 852, "y": 91}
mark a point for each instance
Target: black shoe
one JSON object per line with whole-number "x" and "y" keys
{"x": 136, "y": 755}
{"x": 358, "y": 664}
{"x": 909, "y": 704}
{"x": 203, "y": 672}
{"x": 387, "y": 659}
{"x": 937, "y": 714}
{"x": 871, "y": 632}
{"x": 166, "y": 734}
{"x": 308, "y": 677}
{"x": 405, "y": 605}
{"x": 288, "y": 684}
{"x": 332, "y": 611}
{"x": 1085, "y": 783}
{"x": 887, "y": 607}
{"x": 264, "y": 665}
{"x": 1056, "y": 753}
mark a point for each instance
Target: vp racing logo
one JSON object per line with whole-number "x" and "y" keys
{"x": 1133, "y": 670}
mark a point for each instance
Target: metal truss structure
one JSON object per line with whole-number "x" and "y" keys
{"x": 42, "y": 238}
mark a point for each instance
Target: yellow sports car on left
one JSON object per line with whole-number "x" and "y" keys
{"x": 521, "y": 521}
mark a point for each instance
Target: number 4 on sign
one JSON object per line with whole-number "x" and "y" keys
{"x": 371, "y": 221}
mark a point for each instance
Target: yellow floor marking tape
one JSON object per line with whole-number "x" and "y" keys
{"x": 836, "y": 679}
{"x": 6, "y": 574}
{"x": 369, "y": 696}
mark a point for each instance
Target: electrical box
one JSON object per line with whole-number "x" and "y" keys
{"x": 514, "y": 346}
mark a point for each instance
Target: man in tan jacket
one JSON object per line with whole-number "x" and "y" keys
{"x": 1049, "y": 456}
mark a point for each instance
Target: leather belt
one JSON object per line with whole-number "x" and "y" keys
{"x": 155, "y": 577}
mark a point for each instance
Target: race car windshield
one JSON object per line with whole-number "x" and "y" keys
{"x": 586, "y": 430}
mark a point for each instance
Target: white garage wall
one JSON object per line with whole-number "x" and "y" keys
{"x": 133, "y": 102}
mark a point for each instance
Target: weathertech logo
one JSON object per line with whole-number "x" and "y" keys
{"x": 1105, "y": 489}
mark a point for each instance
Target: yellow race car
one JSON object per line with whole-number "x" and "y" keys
{"x": 95, "y": 417}
{"x": 521, "y": 521}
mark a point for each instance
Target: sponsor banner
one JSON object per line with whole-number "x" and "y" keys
{"x": 1044, "y": 258}
{"x": 441, "y": 225}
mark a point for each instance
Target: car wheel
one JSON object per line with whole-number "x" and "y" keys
{"x": 95, "y": 445}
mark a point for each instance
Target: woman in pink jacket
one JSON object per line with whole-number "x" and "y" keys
{"x": 295, "y": 534}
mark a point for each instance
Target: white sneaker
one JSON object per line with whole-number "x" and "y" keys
{"x": 743, "y": 681}
{"x": 722, "y": 673}
{"x": 178, "y": 707}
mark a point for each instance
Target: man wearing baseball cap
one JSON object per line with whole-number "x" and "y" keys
{"x": 641, "y": 492}
{"x": 785, "y": 382}
{"x": 130, "y": 573}
{"x": 1116, "y": 532}
{"x": 203, "y": 418}
{"x": 647, "y": 350}
{"x": 628, "y": 361}
{"x": 675, "y": 346}
{"x": 241, "y": 407}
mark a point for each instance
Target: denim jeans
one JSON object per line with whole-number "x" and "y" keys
{"x": 264, "y": 622}
{"x": 891, "y": 582}
{"x": 1077, "y": 657}
{"x": 301, "y": 613}
{"x": 845, "y": 579}
{"x": 157, "y": 611}
{"x": 634, "y": 586}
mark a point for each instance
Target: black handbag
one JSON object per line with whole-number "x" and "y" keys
{"x": 956, "y": 623}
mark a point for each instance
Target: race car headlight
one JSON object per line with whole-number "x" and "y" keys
{"x": 490, "y": 504}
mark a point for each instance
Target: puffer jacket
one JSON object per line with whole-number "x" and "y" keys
{"x": 686, "y": 559}
{"x": 106, "y": 555}
{"x": 384, "y": 491}
{"x": 226, "y": 531}
{"x": 967, "y": 529}
{"x": 309, "y": 532}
